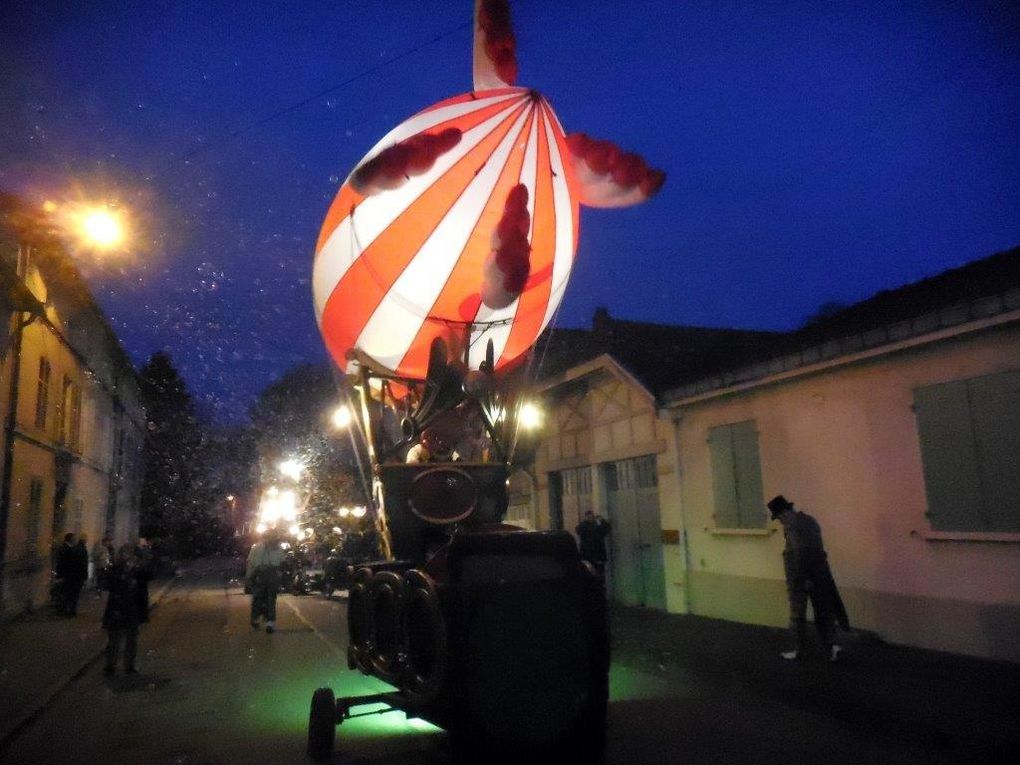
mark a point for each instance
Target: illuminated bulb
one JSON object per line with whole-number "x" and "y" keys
{"x": 102, "y": 227}
{"x": 342, "y": 416}
{"x": 530, "y": 417}
{"x": 359, "y": 512}
{"x": 294, "y": 530}
{"x": 292, "y": 468}
{"x": 343, "y": 512}
{"x": 261, "y": 528}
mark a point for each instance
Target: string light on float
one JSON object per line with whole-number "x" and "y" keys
{"x": 342, "y": 417}
{"x": 530, "y": 416}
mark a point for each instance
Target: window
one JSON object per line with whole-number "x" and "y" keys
{"x": 736, "y": 476}
{"x": 70, "y": 413}
{"x": 34, "y": 514}
{"x": 42, "y": 393}
{"x": 645, "y": 472}
{"x": 969, "y": 432}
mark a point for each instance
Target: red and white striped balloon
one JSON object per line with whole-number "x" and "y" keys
{"x": 410, "y": 251}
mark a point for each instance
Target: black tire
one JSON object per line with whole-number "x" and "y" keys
{"x": 322, "y": 724}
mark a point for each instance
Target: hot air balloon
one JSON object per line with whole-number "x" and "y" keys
{"x": 443, "y": 257}
{"x": 410, "y": 249}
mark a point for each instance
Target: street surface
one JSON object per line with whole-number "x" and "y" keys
{"x": 212, "y": 690}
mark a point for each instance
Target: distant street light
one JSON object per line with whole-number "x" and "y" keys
{"x": 292, "y": 468}
{"x": 359, "y": 512}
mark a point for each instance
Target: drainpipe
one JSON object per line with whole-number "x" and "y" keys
{"x": 685, "y": 554}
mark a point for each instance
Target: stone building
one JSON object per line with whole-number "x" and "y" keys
{"x": 71, "y": 409}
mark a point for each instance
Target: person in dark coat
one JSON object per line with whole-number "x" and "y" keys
{"x": 145, "y": 570}
{"x": 72, "y": 569}
{"x": 808, "y": 577}
{"x": 123, "y": 611}
{"x": 592, "y": 533}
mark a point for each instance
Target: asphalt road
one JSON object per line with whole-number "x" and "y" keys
{"x": 213, "y": 690}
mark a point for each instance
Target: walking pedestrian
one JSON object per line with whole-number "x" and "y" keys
{"x": 592, "y": 533}
{"x": 123, "y": 610}
{"x": 263, "y": 575}
{"x": 808, "y": 577}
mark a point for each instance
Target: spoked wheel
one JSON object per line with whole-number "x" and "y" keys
{"x": 322, "y": 724}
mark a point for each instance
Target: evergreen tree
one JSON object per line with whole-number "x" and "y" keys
{"x": 177, "y": 499}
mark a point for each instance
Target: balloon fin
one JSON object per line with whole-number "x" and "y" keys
{"x": 495, "y": 52}
{"x": 610, "y": 177}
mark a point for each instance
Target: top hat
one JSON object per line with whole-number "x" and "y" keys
{"x": 779, "y": 504}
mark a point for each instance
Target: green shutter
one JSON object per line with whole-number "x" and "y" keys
{"x": 995, "y": 411}
{"x": 949, "y": 456}
{"x": 747, "y": 466}
{"x": 724, "y": 487}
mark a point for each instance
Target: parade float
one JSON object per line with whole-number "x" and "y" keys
{"x": 443, "y": 257}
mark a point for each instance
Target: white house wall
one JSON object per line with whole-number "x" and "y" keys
{"x": 842, "y": 444}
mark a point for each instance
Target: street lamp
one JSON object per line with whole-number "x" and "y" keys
{"x": 292, "y": 468}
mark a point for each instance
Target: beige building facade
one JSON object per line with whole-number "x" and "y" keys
{"x": 903, "y": 441}
{"x": 73, "y": 421}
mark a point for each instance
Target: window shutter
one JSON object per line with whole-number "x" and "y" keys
{"x": 747, "y": 467}
{"x": 949, "y": 456}
{"x": 995, "y": 413}
{"x": 724, "y": 489}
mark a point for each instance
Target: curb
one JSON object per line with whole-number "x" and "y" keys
{"x": 50, "y": 695}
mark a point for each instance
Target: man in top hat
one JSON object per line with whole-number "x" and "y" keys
{"x": 808, "y": 578}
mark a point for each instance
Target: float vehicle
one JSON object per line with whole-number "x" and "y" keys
{"x": 496, "y": 634}
{"x": 442, "y": 259}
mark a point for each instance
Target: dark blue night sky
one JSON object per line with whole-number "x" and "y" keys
{"x": 815, "y": 151}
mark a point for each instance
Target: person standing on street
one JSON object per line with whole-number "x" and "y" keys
{"x": 263, "y": 575}
{"x": 72, "y": 569}
{"x": 145, "y": 570}
{"x": 808, "y": 578}
{"x": 592, "y": 533}
{"x": 123, "y": 610}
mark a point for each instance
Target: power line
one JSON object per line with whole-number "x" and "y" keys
{"x": 309, "y": 99}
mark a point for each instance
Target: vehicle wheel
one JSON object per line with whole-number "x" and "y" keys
{"x": 322, "y": 724}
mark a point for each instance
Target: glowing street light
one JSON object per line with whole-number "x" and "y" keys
{"x": 292, "y": 468}
{"x": 359, "y": 512}
{"x": 342, "y": 416}
{"x": 343, "y": 512}
{"x": 102, "y": 227}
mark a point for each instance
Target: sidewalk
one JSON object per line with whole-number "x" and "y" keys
{"x": 958, "y": 707}
{"x": 40, "y": 653}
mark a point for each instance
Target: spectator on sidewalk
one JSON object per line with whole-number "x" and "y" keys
{"x": 71, "y": 572}
{"x": 263, "y": 575}
{"x": 592, "y": 533}
{"x": 808, "y": 578}
{"x": 123, "y": 610}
